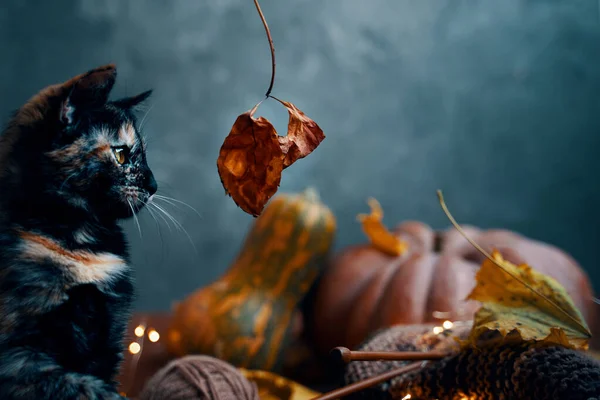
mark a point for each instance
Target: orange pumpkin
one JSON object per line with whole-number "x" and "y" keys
{"x": 365, "y": 289}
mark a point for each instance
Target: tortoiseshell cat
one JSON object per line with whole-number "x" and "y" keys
{"x": 71, "y": 165}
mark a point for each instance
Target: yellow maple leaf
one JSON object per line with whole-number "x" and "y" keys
{"x": 379, "y": 236}
{"x": 522, "y": 303}
{"x": 519, "y": 298}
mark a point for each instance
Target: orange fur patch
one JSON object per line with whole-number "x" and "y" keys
{"x": 71, "y": 153}
{"x": 84, "y": 266}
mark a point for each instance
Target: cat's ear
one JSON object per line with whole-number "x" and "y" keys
{"x": 90, "y": 90}
{"x": 61, "y": 98}
{"x": 133, "y": 103}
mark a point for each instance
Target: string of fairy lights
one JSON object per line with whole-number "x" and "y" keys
{"x": 447, "y": 325}
{"x": 141, "y": 332}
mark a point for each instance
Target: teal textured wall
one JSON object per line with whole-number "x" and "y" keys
{"x": 496, "y": 102}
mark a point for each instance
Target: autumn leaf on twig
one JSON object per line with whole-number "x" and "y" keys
{"x": 253, "y": 156}
{"x": 508, "y": 305}
{"x": 522, "y": 303}
{"x": 379, "y": 236}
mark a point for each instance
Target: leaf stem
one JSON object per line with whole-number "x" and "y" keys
{"x": 264, "y": 21}
{"x": 496, "y": 263}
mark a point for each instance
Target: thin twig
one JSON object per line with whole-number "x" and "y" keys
{"x": 264, "y": 21}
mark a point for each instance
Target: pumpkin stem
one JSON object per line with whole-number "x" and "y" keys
{"x": 311, "y": 194}
{"x": 438, "y": 242}
{"x": 499, "y": 265}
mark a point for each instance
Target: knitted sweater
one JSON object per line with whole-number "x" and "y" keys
{"x": 503, "y": 372}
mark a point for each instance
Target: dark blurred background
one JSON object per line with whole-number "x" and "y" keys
{"x": 495, "y": 102}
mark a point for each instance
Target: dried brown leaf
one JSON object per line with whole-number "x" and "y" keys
{"x": 253, "y": 155}
{"x": 250, "y": 162}
{"x": 303, "y": 136}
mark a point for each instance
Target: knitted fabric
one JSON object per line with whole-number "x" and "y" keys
{"x": 503, "y": 372}
{"x": 398, "y": 338}
{"x": 519, "y": 372}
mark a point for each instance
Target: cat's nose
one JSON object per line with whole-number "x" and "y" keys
{"x": 150, "y": 183}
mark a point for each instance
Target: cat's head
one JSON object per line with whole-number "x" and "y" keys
{"x": 70, "y": 143}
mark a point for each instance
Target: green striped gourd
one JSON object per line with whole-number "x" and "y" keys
{"x": 245, "y": 317}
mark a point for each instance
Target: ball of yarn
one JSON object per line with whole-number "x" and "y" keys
{"x": 199, "y": 377}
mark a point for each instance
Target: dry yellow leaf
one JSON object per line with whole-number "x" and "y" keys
{"x": 379, "y": 236}
{"x": 535, "y": 305}
{"x": 275, "y": 387}
{"x": 522, "y": 303}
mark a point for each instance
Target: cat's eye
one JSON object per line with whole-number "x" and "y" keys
{"x": 120, "y": 154}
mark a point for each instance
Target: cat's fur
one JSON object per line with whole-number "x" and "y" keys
{"x": 65, "y": 280}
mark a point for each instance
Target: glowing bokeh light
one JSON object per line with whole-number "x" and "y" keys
{"x": 153, "y": 336}
{"x": 134, "y": 348}
{"x": 447, "y": 324}
{"x": 139, "y": 331}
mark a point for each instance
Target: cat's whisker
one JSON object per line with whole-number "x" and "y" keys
{"x": 152, "y": 215}
{"x": 171, "y": 204}
{"x": 160, "y": 235}
{"x": 155, "y": 221}
{"x": 171, "y": 218}
{"x": 171, "y": 201}
{"x": 144, "y": 117}
{"x": 174, "y": 221}
{"x": 150, "y": 204}
{"x": 177, "y": 225}
{"x": 135, "y": 217}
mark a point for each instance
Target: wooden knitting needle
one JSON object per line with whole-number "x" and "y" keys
{"x": 355, "y": 387}
{"x": 346, "y": 355}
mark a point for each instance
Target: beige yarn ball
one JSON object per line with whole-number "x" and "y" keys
{"x": 197, "y": 377}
